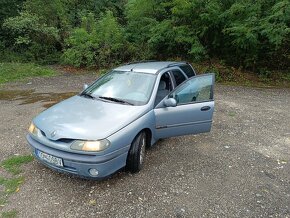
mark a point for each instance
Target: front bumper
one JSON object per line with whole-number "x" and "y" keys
{"x": 80, "y": 164}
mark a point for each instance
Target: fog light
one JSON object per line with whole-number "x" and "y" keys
{"x": 93, "y": 172}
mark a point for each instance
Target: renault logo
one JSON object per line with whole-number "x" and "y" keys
{"x": 53, "y": 133}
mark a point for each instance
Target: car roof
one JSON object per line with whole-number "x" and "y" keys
{"x": 148, "y": 66}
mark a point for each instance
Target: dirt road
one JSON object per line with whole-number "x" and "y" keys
{"x": 240, "y": 169}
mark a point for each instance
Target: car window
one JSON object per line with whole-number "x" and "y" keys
{"x": 178, "y": 76}
{"x": 187, "y": 70}
{"x": 164, "y": 87}
{"x": 133, "y": 87}
{"x": 197, "y": 89}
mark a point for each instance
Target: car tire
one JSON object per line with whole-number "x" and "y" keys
{"x": 136, "y": 153}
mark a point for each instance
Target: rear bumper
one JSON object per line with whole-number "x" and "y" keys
{"x": 80, "y": 164}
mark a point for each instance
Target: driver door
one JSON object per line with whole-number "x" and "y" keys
{"x": 193, "y": 112}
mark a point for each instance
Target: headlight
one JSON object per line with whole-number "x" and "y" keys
{"x": 33, "y": 130}
{"x": 99, "y": 145}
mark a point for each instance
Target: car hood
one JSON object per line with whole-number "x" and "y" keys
{"x": 86, "y": 119}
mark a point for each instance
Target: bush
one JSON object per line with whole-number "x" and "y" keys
{"x": 34, "y": 40}
{"x": 244, "y": 33}
{"x": 100, "y": 43}
{"x": 81, "y": 49}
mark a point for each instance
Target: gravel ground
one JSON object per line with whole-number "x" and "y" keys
{"x": 240, "y": 169}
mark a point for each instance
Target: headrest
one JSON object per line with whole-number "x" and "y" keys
{"x": 162, "y": 85}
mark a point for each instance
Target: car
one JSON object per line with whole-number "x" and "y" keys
{"x": 110, "y": 123}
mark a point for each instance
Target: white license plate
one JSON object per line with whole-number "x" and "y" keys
{"x": 50, "y": 159}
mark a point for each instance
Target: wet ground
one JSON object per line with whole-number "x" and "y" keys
{"x": 30, "y": 97}
{"x": 239, "y": 169}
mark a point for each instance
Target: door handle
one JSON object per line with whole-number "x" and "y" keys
{"x": 205, "y": 108}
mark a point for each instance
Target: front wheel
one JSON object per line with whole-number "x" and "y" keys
{"x": 136, "y": 153}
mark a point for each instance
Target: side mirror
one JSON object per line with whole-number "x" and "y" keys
{"x": 85, "y": 86}
{"x": 170, "y": 102}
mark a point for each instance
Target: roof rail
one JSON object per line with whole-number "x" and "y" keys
{"x": 177, "y": 63}
{"x": 139, "y": 62}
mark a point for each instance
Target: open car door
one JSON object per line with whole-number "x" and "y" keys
{"x": 188, "y": 109}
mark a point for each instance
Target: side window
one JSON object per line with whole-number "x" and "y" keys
{"x": 164, "y": 87}
{"x": 178, "y": 76}
{"x": 187, "y": 70}
{"x": 197, "y": 89}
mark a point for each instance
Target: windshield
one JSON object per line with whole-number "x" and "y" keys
{"x": 123, "y": 86}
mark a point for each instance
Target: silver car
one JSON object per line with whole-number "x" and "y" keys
{"x": 110, "y": 123}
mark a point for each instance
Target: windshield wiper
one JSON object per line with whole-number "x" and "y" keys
{"x": 115, "y": 100}
{"x": 87, "y": 95}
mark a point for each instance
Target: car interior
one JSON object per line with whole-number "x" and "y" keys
{"x": 164, "y": 88}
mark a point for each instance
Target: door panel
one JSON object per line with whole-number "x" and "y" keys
{"x": 183, "y": 119}
{"x": 194, "y": 110}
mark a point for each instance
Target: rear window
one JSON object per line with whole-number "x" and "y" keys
{"x": 179, "y": 77}
{"x": 187, "y": 70}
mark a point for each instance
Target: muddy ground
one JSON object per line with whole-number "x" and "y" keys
{"x": 240, "y": 169}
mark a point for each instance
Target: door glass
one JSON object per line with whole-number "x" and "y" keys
{"x": 197, "y": 89}
{"x": 178, "y": 76}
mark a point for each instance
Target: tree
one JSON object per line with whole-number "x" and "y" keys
{"x": 8, "y": 8}
{"x": 243, "y": 33}
{"x": 100, "y": 43}
{"x": 32, "y": 37}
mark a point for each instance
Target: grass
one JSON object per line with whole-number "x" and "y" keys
{"x": 232, "y": 114}
{"x": 13, "y": 164}
{"x": 12, "y": 184}
{"x": 2, "y": 201}
{"x": 18, "y": 71}
{"x": 9, "y": 214}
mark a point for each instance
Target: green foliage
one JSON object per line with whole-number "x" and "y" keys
{"x": 96, "y": 43}
{"x": 199, "y": 26}
{"x": 275, "y": 26}
{"x": 52, "y": 13}
{"x": 244, "y": 33}
{"x": 140, "y": 16}
{"x": 256, "y": 32}
{"x": 8, "y": 8}
{"x": 29, "y": 27}
{"x": 17, "y": 71}
{"x": 111, "y": 40}
{"x": 34, "y": 39}
{"x": 81, "y": 49}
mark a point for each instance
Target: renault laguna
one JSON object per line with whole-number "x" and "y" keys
{"x": 109, "y": 125}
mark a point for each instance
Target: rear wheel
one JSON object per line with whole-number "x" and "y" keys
{"x": 136, "y": 153}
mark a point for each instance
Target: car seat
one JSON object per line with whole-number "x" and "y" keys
{"x": 162, "y": 92}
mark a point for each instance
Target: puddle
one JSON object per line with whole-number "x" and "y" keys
{"x": 30, "y": 96}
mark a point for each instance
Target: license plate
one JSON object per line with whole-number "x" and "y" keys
{"x": 50, "y": 159}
